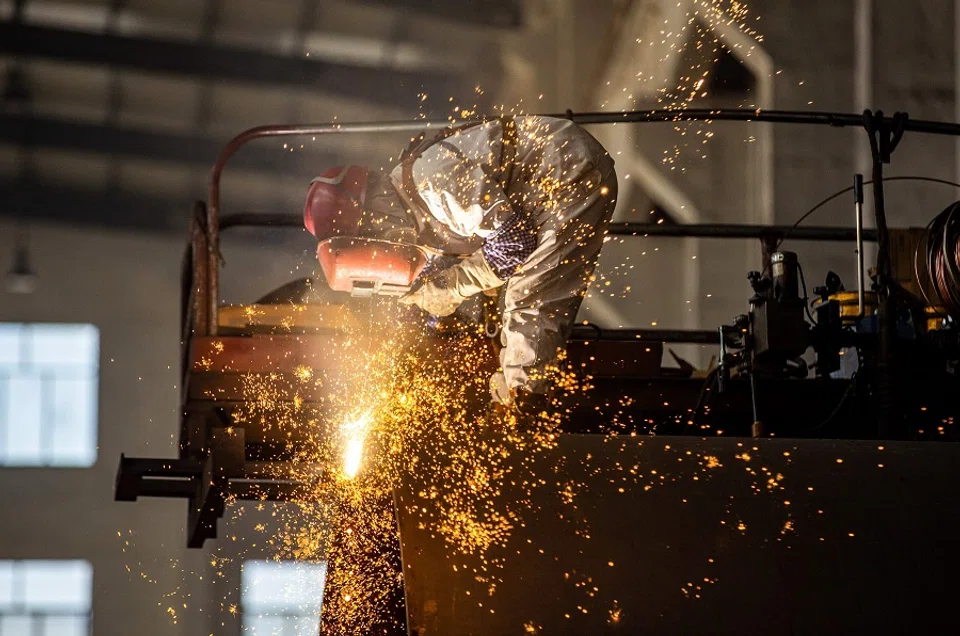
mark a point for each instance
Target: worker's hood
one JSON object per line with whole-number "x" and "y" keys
{"x": 384, "y": 215}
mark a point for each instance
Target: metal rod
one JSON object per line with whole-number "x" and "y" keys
{"x": 736, "y": 231}
{"x": 696, "y": 230}
{"x": 756, "y": 430}
{"x": 632, "y": 117}
{"x": 674, "y": 336}
{"x": 722, "y": 361}
{"x": 261, "y": 219}
{"x": 858, "y": 205}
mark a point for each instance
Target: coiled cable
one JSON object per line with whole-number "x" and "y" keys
{"x": 942, "y": 240}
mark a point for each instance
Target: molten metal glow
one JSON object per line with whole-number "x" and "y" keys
{"x": 355, "y": 433}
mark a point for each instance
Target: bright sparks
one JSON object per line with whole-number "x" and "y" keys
{"x": 355, "y": 434}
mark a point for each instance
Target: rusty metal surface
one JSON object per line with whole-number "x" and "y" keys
{"x": 692, "y": 549}
{"x": 325, "y": 352}
{"x": 285, "y": 318}
{"x": 283, "y": 354}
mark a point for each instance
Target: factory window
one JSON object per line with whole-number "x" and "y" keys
{"x": 48, "y": 394}
{"x": 45, "y": 598}
{"x": 282, "y": 598}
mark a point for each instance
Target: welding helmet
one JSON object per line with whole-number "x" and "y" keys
{"x": 353, "y": 201}
{"x": 367, "y": 236}
{"x": 335, "y": 202}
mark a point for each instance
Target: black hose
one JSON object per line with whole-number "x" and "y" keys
{"x": 803, "y": 217}
{"x": 806, "y": 297}
{"x": 843, "y": 400}
{"x": 702, "y": 400}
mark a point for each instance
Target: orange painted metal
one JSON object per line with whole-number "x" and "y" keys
{"x": 259, "y": 354}
{"x": 378, "y": 265}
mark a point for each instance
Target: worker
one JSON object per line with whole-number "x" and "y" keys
{"x": 514, "y": 202}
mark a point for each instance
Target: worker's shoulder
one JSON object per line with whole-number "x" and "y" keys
{"x": 559, "y": 134}
{"x": 543, "y": 126}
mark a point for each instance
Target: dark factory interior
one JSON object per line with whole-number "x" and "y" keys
{"x": 427, "y": 317}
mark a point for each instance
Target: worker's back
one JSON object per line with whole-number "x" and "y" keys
{"x": 472, "y": 182}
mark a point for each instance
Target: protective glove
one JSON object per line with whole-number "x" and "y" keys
{"x": 499, "y": 391}
{"x": 519, "y": 400}
{"x": 442, "y": 293}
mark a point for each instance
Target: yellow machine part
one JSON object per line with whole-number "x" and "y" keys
{"x": 286, "y": 317}
{"x": 849, "y": 308}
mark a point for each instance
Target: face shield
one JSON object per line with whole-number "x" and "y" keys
{"x": 383, "y": 258}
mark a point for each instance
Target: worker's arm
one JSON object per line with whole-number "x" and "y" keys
{"x": 457, "y": 180}
{"x": 488, "y": 268}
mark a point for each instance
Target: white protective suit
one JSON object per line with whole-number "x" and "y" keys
{"x": 469, "y": 184}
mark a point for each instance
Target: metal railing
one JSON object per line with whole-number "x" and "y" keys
{"x": 872, "y": 122}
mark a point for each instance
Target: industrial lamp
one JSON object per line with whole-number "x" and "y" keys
{"x": 21, "y": 279}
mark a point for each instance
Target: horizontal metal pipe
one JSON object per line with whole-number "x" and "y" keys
{"x": 730, "y": 231}
{"x": 803, "y": 233}
{"x": 416, "y": 126}
{"x": 261, "y": 219}
{"x": 675, "y": 336}
{"x": 837, "y": 120}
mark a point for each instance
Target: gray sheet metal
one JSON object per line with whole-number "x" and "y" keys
{"x": 692, "y": 549}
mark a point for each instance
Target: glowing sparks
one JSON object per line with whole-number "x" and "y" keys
{"x": 426, "y": 429}
{"x": 355, "y": 434}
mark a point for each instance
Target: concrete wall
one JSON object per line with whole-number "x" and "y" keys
{"x": 825, "y": 56}
{"x": 128, "y": 286}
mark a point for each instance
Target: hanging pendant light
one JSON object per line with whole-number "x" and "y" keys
{"x": 15, "y": 98}
{"x": 21, "y": 279}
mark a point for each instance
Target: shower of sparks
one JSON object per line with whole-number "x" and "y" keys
{"x": 355, "y": 433}
{"x": 428, "y": 425}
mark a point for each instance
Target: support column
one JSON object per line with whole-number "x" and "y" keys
{"x": 863, "y": 97}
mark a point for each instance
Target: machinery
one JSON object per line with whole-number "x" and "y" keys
{"x": 902, "y": 332}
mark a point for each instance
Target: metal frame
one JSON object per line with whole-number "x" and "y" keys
{"x": 214, "y": 463}
{"x": 874, "y": 123}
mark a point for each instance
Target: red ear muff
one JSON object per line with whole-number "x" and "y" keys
{"x": 335, "y": 202}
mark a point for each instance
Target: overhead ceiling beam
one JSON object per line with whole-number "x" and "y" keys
{"x": 40, "y": 132}
{"x": 44, "y": 202}
{"x": 204, "y": 60}
{"x": 38, "y": 201}
{"x": 493, "y": 13}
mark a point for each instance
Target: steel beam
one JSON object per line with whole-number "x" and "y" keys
{"x": 737, "y": 231}
{"x": 203, "y": 60}
{"x": 38, "y": 201}
{"x": 491, "y": 13}
{"x": 667, "y": 230}
{"x": 200, "y": 150}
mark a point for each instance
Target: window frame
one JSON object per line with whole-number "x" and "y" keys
{"x": 37, "y": 612}
{"x": 28, "y": 365}
{"x": 289, "y": 610}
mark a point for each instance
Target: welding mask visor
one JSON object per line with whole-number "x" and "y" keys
{"x": 366, "y": 234}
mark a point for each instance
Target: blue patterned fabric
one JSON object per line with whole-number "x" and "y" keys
{"x": 505, "y": 250}
{"x": 435, "y": 265}
{"x": 510, "y": 246}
